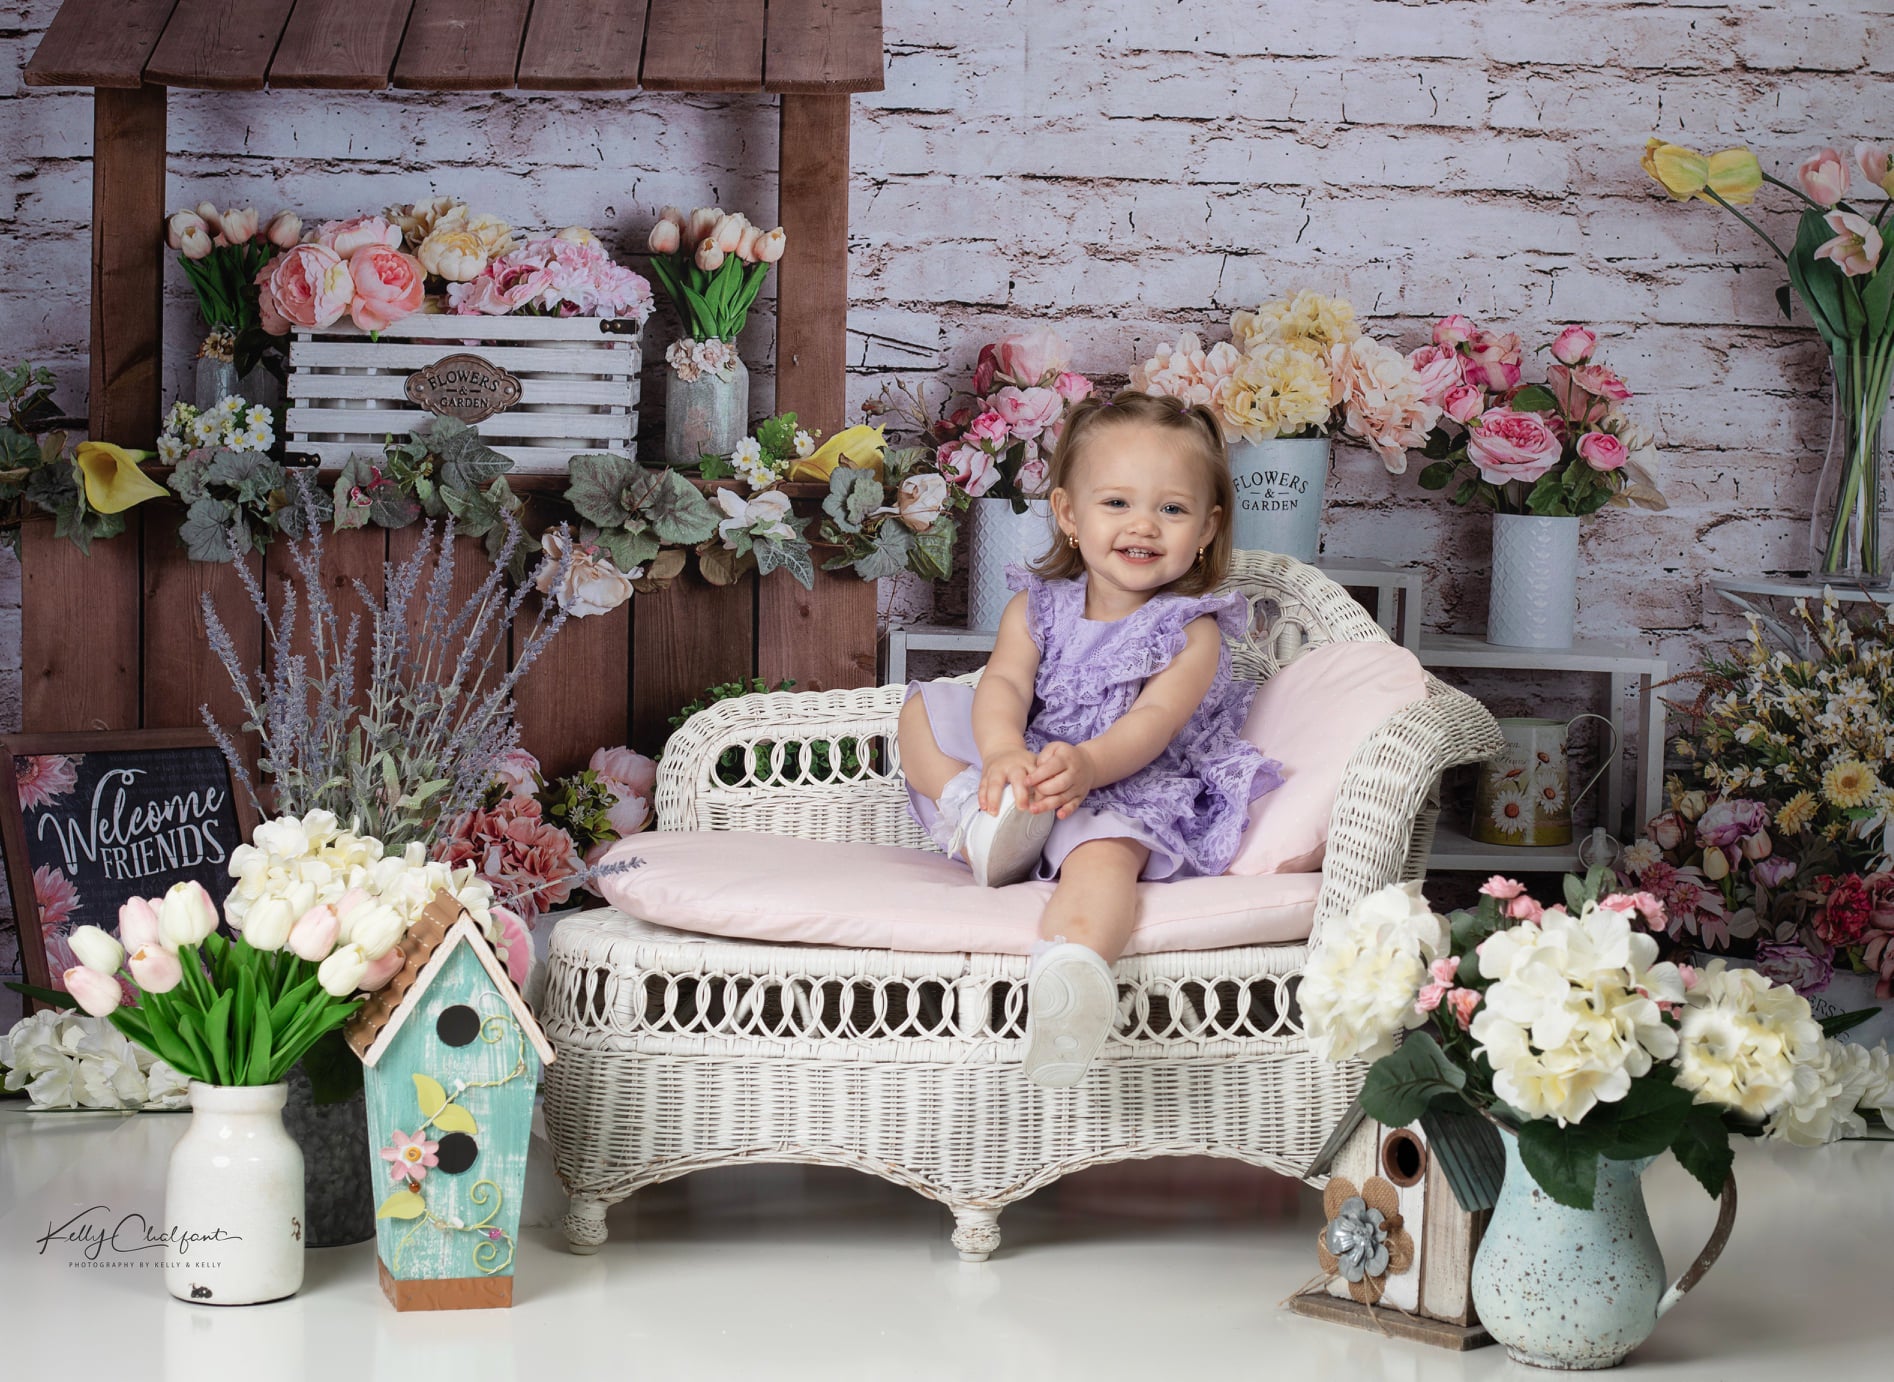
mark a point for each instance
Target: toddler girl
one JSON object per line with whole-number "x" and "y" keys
{"x": 1101, "y": 745}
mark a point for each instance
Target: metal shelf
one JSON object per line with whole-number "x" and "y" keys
{"x": 1585, "y": 655}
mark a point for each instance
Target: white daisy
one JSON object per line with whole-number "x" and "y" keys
{"x": 1549, "y": 793}
{"x": 204, "y": 429}
{"x": 1512, "y": 811}
{"x": 171, "y": 449}
{"x": 259, "y": 419}
{"x": 805, "y": 444}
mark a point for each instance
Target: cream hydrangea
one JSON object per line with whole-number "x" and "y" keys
{"x": 1358, "y": 990}
{"x": 1309, "y": 320}
{"x": 1274, "y": 391}
{"x": 1830, "y": 1093}
{"x": 75, "y": 1060}
{"x": 1743, "y": 1040}
{"x": 1572, "y": 1015}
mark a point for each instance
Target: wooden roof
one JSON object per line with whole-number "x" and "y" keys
{"x": 784, "y": 46}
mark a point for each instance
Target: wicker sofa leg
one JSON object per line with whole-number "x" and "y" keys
{"x": 976, "y": 1232}
{"x": 584, "y": 1225}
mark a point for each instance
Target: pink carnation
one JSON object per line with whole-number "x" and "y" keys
{"x": 1644, "y": 904}
{"x": 1462, "y": 1002}
{"x": 529, "y": 862}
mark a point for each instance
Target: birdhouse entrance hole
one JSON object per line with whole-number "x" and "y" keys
{"x": 1403, "y": 1158}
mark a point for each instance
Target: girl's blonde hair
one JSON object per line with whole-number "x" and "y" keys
{"x": 1194, "y": 428}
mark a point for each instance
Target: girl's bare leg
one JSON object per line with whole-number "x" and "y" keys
{"x": 1096, "y": 901}
{"x": 922, "y": 761}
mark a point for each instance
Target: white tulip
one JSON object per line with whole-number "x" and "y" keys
{"x": 96, "y": 950}
{"x": 186, "y": 915}
{"x": 376, "y": 928}
{"x": 267, "y": 926}
{"x": 342, "y": 972}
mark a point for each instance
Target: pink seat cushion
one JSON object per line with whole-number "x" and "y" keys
{"x": 1312, "y": 716}
{"x": 882, "y": 897}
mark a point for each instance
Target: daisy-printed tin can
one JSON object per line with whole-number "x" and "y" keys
{"x": 1524, "y": 797}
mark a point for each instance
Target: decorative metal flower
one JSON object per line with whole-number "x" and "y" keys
{"x": 1365, "y": 1240}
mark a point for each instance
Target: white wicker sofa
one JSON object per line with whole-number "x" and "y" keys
{"x": 678, "y": 1052}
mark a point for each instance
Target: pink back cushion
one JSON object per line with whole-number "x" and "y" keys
{"x": 1312, "y": 716}
{"x": 881, "y": 897}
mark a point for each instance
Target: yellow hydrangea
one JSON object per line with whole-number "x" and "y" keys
{"x": 1308, "y": 321}
{"x": 1849, "y": 783}
{"x": 1796, "y": 814}
{"x": 1275, "y": 392}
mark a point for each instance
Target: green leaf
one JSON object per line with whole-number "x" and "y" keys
{"x": 932, "y": 555}
{"x": 1574, "y": 894}
{"x": 217, "y": 1036}
{"x": 1644, "y": 1122}
{"x": 429, "y": 1095}
{"x": 853, "y": 495}
{"x": 1702, "y": 1147}
{"x": 1878, "y": 297}
{"x": 677, "y": 512}
{"x": 260, "y": 1053}
{"x": 1403, "y": 1083}
{"x": 716, "y": 468}
{"x": 467, "y": 462}
{"x": 1534, "y": 398}
{"x": 597, "y": 488}
{"x": 1831, "y": 1026}
{"x": 205, "y": 531}
{"x": 777, "y": 435}
{"x": 1564, "y": 1161}
{"x": 889, "y": 554}
{"x": 792, "y": 557}
{"x": 1437, "y": 475}
{"x": 405, "y": 1203}
{"x": 1547, "y": 497}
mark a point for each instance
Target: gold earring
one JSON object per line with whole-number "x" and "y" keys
{"x": 1200, "y": 552}
{"x": 1071, "y": 539}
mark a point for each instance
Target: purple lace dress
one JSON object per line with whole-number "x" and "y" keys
{"x": 1189, "y": 805}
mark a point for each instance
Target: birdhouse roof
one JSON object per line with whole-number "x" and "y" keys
{"x": 1337, "y": 1140}
{"x": 430, "y": 943}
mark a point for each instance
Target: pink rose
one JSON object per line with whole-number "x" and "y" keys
{"x": 984, "y": 371}
{"x": 972, "y": 469}
{"x": 1503, "y": 888}
{"x": 357, "y": 232}
{"x": 1574, "y": 345}
{"x": 989, "y": 427}
{"x": 311, "y": 286}
{"x": 1575, "y": 401}
{"x": 1453, "y": 332}
{"x": 1601, "y": 381}
{"x": 1072, "y": 387}
{"x": 1494, "y": 360}
{"x": 389, "y": 285}
{"x": 1027, "y": 412}
{"x": 1030, "y": 358}
{"x": 1507, "y": 445}
{"x": 1602, "y": 451}
{"x": 1463, "y": 403}
{"x": 1824, "y": 177}
{"x": 1441, "y": 370}
{"x": 1035, "y": 477}
{"x": 628, "y": 767}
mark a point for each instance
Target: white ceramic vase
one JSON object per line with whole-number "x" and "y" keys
{"x": 1279, "y": 490}
{"x": 996, "y": 538}
{"x": 1533, "y": 601}
{"x": 233, "y": 1200}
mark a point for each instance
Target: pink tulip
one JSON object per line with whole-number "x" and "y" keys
{"x": 675, "y": 215}
{"x": 770, "y": 248}
{"x": 179, "y": 223}
{"x": 358, "y": 233}
{"x": 1602, "y": 451}
{"x": 1874, "y": 161}
{"x": 664, "y": 238}
{"x": 239, "y": 225}
{"x": 1463, "y": 403}
{"x": 702, "y": 221}
{"x": 195, "y": 243}
{"x": 1824, "y": 177}
{"x": 728, "y": 233}
{"x": 1855, "y": 250}
{"x": 1453, "y": 331}
{"x": 748, "y": 245}
{"x": 381, "y": 969}
{"x": 97, "y": 993}
{"x": 213, "y": 222}
{"x": 709, "y": 257}
{"x": 155, "y": 969}
{"x": 285, "y": 230}
{"x": 137, "y": 923}
{"x": 314, "y": 934}
{"x": 1574, "y": 345}
{"x": 389, "y": 285}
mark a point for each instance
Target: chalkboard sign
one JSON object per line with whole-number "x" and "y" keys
{"x": 90, "y": 820}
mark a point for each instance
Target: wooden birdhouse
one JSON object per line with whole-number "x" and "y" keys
{"x": 452, "y": 1057}
{"x": 1395, "y": 1249}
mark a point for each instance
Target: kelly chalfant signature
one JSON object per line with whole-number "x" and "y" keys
{"x": 131, "y": 1233}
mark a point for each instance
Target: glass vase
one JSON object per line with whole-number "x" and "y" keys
{"x": 1847, "y": 530}
{"x": 705, "y": 416}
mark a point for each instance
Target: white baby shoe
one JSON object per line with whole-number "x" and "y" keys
{"x": 1001, "y": 847}
{"x": 1071, "y": 1000}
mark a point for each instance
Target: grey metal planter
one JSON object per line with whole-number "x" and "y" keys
{"x": 338, "y": 1195}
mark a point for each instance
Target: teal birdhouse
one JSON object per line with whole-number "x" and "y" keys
{"x": 452, "y": 1058}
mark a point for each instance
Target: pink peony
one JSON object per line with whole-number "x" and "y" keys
{"x": 1031, "y": 358}
{"x": 1574, "y": 345}
{"x": 1507, "y": 445}
{"x": 357, "y": 233}
{"x": 1602, "y": 451}
{"x": 1442, "y": 371}
{"x": 274, "y": 323}
{"x": 1494, "y": 360}
{"x": 518, "y": 770}
{"x": 1795, "y": 965}
{"x": 1027, "y": 412}
{"x": 1463, "y": 403}
{"x": 1774, "y": 871}
{"x": 389, "y": 285}
{"x": 1452, "y": 332}
{"x": 529, "y": 862}
{"x": 1824, "y": 176}
{"x": 1072, "y": 387}
{"x": 409, "y": 1157}
{"x": 1842, "y": 918}
{"x": 44, "y": 778}
{"x": 1730, "y": 821}
{"x": 310, "y": 286}
{"x": 628, "y": 768}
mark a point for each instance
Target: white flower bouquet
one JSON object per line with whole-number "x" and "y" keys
{"x": 72, "y": 1060}
{"x": 1561, "y": 1024}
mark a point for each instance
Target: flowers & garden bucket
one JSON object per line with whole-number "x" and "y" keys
{"x": 1279, "y": 489}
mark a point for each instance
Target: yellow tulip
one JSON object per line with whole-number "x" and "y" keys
{"x": 860, "y": 446}
{"x": 113, "y": 481}
{"x": 1735, "y": 176}
{"x": 1682, "y": 172}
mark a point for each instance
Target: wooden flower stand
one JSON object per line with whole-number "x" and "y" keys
{"x": 115, "y": 640}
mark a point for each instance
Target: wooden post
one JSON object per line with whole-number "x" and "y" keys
{"x": 80, "y": 635}
{"x": 823, "y": 638}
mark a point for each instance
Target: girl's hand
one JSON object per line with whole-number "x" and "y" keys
{"x": 1003, "y": 771}
{"x": 1062, "y": 777}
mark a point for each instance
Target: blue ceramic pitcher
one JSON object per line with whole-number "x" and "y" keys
{"x": 1578, "y": 1288}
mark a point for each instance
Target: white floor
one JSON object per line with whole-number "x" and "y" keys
{"x": 1146, "y": 1270}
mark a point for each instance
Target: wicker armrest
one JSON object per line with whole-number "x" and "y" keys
{"x": 1383, "y": 823}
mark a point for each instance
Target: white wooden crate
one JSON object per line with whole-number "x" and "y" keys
{"x": 578, "y": 385}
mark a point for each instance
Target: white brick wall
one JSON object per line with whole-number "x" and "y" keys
{"x": 1128, "y": 172}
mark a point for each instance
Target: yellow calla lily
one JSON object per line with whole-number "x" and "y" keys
{"x": 861, "y": 446}
{"x": 1735, "y": 176}
{"x": 113, "y": 481}
{"x": 1681, "y": 172}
